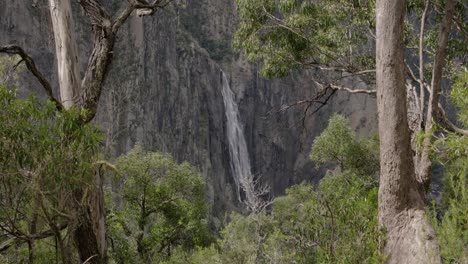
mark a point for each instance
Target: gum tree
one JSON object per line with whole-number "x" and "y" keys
{"x": 413, "y": 55}
{"x": 83, "y": 93}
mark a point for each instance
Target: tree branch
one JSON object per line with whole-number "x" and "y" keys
{"x": 425, "y": 163}
{"x": 13, "y": 49}
{"x": 45, "y": 234}
{"x": 146, "y": 9}
{"x": 445, "y": 122}
{"x": 122, "y": 17}
{"x": 322, "y": 98}
{"x": 105, "y": 32}
{"x": 421, "y": 64}
{"x": 96, "y": 13}
{"x": 460, "y": 26}
{"x": 353, "y": 91}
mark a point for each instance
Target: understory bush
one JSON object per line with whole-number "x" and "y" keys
{"x": 334, "y": 222}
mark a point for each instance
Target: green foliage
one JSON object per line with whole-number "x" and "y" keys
{"x": 9, "y": 68}
{"x": 46, "y": 156}
{"x": 451, "y": 214}
{"x": 324, "y": 217}
{"x": 452, "y": 230}
{"x": 339, "y": 144}
{"x": 164, "y": 208}
{"x": 288, "y": 34}
{"x": 334, "y": 222}
{"x": 451, "y": 146}
{"x": 459, "y": 96}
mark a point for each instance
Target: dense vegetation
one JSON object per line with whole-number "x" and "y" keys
{"x": 156, "y": 210}
{"x": 333, "y": 222}
{"x": 160, "y": 208}
{"x": 46, "y": 159}
{"x": 53, "y": 176}
{"x": 450, "y": 216}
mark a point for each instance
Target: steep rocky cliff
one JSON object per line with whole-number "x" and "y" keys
{"x": 164, "y": 92}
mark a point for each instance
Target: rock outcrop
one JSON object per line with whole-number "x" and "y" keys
{"x": 164, "y": 92}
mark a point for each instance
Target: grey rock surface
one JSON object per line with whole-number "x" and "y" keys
{"x": 164, "y": 92}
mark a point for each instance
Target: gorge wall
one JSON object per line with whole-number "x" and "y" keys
{"x": 164, "y": 92}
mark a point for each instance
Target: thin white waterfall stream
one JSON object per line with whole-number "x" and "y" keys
{"x": 240, "y": 162}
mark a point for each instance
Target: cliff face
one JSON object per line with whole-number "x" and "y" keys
{"x": 164, "y": 92}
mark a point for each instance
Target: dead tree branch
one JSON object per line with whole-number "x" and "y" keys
{"x": 445, "y": 122}
{"x": 44, "y": 234}
{"x": 31, "y": 65}
{"x": 105, "y": 33}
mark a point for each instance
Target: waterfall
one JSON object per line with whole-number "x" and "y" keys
{"x": 240, "y": 162}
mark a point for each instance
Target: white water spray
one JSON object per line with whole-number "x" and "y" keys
{"x": 240, "y": 162}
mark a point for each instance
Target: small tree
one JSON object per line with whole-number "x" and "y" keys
{"x": 339, "y": 38}
{"x": 339, "y": 144}
{"x": 46, "y": 157}
{"x": 83, "y": 93}
{"x": 164, "y": 207}
{"x": 333, "y": 222}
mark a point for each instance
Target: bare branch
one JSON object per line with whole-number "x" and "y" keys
{"x": 45, "y": 234}
{"x": 425, "y": 163}
{"x": 421, "y": 64}
{"x": 146, "y": 9}
{"x": 413, "y": 77}
{"x": 323, "y": 96}
{"x": 143, "y": 8}
{"x": 13, "y": 49}
{"x": 122, "y": 17}
{"x": 96, "y": 13}
{"x": 445, "y": 122}
{"x": 353, "y": 91}
{"x": 105, "y": 32}
{"x": 461, "y": 26}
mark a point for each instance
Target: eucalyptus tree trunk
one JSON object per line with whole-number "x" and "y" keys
{"x": 66, "y": 51}
{"x": 89, "y": 229}
{"x": 410, "y": 237}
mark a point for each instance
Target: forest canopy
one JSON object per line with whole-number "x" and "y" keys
{"x": 70, "y": 194}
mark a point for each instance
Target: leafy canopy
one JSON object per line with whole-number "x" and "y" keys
{"x": 339, "y": 144}
{"x": 332, "y": 223}
{"x": 289, "y": 34}
{"x": 339, "y": 35}
{"x": 164, "y": 207}
{"x": 46, "y": 156}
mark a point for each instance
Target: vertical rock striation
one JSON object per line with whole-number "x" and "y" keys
{"x": 164, "y": 91}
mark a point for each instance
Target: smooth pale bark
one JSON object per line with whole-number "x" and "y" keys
{"x": 410, "y": 237}
{"x": 89, "y": 233}
{"x": 66, "y": 51}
